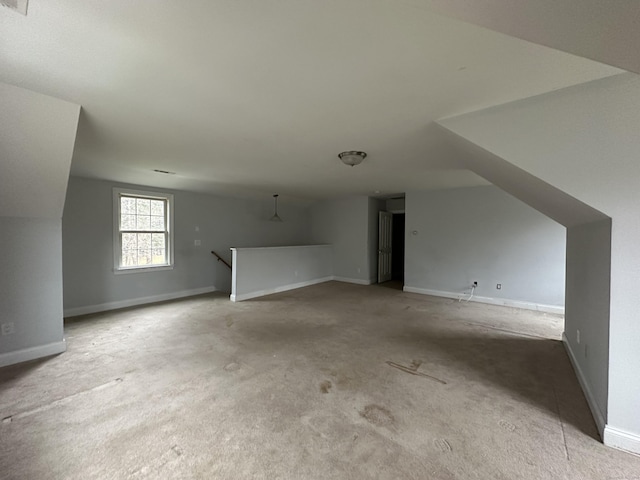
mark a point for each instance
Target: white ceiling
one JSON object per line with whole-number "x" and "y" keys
{"x": 252, "y": 97}
{"x": 606, "y": 31}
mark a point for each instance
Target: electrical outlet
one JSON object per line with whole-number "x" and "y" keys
{"x": 197, "y": 228}
{"x": 499, "y": 286}
{"x": 196, "y": 243}
{"x": 578, "y": 336}
{"x": 8, "y": 328}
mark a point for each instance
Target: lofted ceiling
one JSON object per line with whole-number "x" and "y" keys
{"x": 252, "y": 97}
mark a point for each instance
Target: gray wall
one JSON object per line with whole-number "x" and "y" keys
{"x": 395, "y": 205}
{"x": 266, "y": 270}
{"x": 344, "y": 223}
{"x": 483, "y": 234}
{"x": 87, "y": 230}
{"x": 31, "y": 282}
{"x": 588, "y": 278}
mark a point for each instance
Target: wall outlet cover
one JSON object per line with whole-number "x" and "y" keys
{"x": 8, "y": 328}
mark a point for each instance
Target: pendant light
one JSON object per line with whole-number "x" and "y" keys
{"x": 276, "y": 217}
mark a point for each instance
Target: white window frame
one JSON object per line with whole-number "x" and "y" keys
{"x": 117, "y": 246}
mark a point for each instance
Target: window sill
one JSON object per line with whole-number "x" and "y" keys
{"x": 123, "y": 271}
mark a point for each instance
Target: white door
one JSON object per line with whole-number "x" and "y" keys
{"x": 385, "y": 220}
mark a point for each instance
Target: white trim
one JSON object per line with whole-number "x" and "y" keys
{"x": 358, "y": 281}
{"x": 597, "y": 414}
{"x": 32, "y": 353}
{"x": 271, "y": 291}
{"x": 145, "y": 269}
{"x": 505, "y": 302}
{"x": 621, "y": 439}
{"x": 103, "y": 307}
{"x": 239, "y": 249}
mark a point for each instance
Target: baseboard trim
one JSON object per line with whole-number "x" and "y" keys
{"x": 597, "y": 414}
{"x": 104, "y": 307}
{"x": 283, "y": 288}
{"x": 621, "y": 439}
{"x": 357, "y": 281}
{"x": 32, "y": 353}
{"x": 504, "y": 302}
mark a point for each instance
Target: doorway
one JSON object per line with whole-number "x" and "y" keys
{"x": 397, "y": 242}
{"x": 391, "y": 248}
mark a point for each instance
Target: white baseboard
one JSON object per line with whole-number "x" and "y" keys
{"x": 357, "y": 281}
{"x": 103, "y": 307}
{"x": 32, "y": 353}
{"x": 598, "y": 416}
{"x": 505, "y": 302}
{"x": 282, "y": 288}
{"x": 621, "y": 439}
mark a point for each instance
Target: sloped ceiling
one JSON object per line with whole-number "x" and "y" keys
{"x": 544, "y": 197}
{"x": 248, "y": 97}
{"x": 606, "y": 31}
{"x": 37, "y": 134}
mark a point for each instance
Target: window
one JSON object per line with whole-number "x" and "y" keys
{"x": 143, "y": 224}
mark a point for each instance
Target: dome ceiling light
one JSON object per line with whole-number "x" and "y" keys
{"x": 352, "y": 158}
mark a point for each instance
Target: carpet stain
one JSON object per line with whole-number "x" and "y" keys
{"x": 413, "y": 370}
{"x": 160, "y": 464}
{"x": 231, "y": 367}
{"x": 442, "y": 445}
{"x": 510, "y": 427}
{"x": 377, "y": 415}
{"x": 61, "y": 401}
{"x": 325, "y": 386}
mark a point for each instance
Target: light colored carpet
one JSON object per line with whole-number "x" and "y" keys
{"x": 331, "y": 381}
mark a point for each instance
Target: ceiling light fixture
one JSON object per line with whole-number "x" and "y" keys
{"x": 276, "y": 217}
{"x": 352, "y": 158}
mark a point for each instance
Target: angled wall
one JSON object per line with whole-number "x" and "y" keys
{"x": 37, "y": 136}
{"x": 583, "y": 141}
